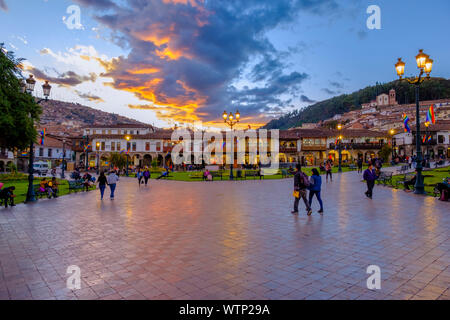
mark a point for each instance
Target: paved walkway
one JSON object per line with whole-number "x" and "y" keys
{"x": 227, "y": 240}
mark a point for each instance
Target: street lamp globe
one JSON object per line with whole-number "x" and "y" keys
{"x": 238, "y": 115}
{"x": 392, "y": 132}
{"x": 339, "y": 126}
{"x": 127, "y": 138}
{"x": 427, "y": 124}
{"x": 428, "y": 66}
{"x": 30, "y": 83}
{"x": 46, "y": 87}
{"x": 225, "y": 116}
{"x": 421, "y": 59}
{"x": 400, "y": 67}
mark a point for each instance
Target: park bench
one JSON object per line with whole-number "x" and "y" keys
{"x": 385, "y": 178}
{"x": 439, "y": 163}
{"x": 403, "y": 169}
{"x": 253, "y": 174}
{"x": 216, "y": 174}
{"x": 197, "y": 175}
{"x": 37, "y": 192}
{"x": 352, "y": 167}
{"x": 75, "y": 185}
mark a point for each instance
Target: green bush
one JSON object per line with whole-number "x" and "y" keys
{"x": 13, "y": 176}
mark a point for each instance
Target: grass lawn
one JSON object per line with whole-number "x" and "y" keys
{"x": 22, "y": 188}
{"x": 432, "y": 177}
{"x": 187, "y": 175}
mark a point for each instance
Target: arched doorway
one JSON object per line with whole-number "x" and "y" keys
{"x": 160, "y": 160}
{"x": 2, "y": 166}
{"x": 147, "y": 161}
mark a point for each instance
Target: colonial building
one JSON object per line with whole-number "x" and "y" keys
{"x": 438, "y": 145}
{"x": 307, "y": 146}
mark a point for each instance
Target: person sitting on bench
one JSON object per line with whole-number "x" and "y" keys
{"x": 444, "y": 189}
{"x": 164, "y": 174}
{"x": 409, "y": 183}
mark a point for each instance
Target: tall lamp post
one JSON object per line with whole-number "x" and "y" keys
{"x": 392, "y": 132}
{"x": 427, "y": 154}
{"x": 97, "y": 148}
{"x": 28, "y": 87}
{"x": 339, "y": 127}
{"x": 425, "y": 65}
{"x": 230, "y": 120}
{"x": 63, "y": 164}
{"x": 128, "y": 138}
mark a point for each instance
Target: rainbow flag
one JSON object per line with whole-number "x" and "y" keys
{"x": 429, "y": 139}
{"x": 86, "y": 147}
{"x": 42, "y": 134}
{"x": 24, "y": 154}
{"x": 424, "y": 139}
{"x": 430, "y": 115}
{"x": 405, "y": 123}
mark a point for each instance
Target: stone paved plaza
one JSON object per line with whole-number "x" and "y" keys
{"x": 227, "y": 240}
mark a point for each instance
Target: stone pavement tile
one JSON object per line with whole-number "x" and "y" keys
{"x": 142, "y": 246}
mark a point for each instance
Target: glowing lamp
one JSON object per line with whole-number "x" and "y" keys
{"x": 400, "y": 67}
{"x": 428, "y": 66}
{"x": 421, "y": 59}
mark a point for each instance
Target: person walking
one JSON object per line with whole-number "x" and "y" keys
{"x": 315, "y": 188}
{"x": 112, "y": 182}
{"x": 301, "y": 183}
{"x": 139, "y": 176}
{"x": 370, "y": 176}
{"x": 147, "y": 176}
{"x": 102, "y": 182}
{"x": 360, "y": 165}
{"x": 328, "y": 169}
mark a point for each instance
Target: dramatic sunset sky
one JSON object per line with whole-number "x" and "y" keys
{"x": 179, "y": 61}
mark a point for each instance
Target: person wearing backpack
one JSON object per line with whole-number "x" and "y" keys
{"x": 301, "y": 184}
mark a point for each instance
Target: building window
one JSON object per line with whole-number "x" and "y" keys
{"x": 134, "y": 146}
{"x": 132, "y": 132}
{"x": 49, "y": 153}
{"x": 147, "y": 146}
{"x": 440, "y": 139}
{"x": 41, "y": 152}
{"x": 158, "y": 146}
{"x": 118, "y": 146}
{"x": 137, "y": 132}
{"x": 113, "y": 146}
{"x": 103, "y": 145}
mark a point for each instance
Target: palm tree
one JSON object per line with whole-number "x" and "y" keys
{"x": 118, "y": 160}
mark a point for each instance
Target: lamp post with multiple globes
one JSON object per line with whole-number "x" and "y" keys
{"x": 128, "y": 138}
{"x": 425, "y": 65}
{"x": 28, "y": 87}
{"x": 231, "y": 120}
{"x": 339, "y": 127}
{"x": 392, "y": 132}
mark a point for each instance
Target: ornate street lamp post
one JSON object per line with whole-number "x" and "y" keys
{"x": 97, "y": 147}
{"x": 339, "y": 127}
{"x": 425, "y": 65}
{"x": 427, "y": 153}
{"x": 230, "y": 120}
{"x": 28, "y": 86}
{"x": 392, "y": 132}
{"x": 128, "y": 138}
{"x": 63, "y": 164}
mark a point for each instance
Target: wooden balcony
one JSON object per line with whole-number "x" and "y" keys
{"x": 359, "y": 146}
{"x": 314, "y": 147}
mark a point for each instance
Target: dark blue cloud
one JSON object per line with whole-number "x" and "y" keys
{"x": 213, "y": 42}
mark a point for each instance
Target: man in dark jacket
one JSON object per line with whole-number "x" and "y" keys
{"x": 370, "y": 176}
{"x": 301, "y": 184}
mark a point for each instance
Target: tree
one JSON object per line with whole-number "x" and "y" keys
{"x": 386, "y": 152}
{"x": 18, "y": 110}
{"x": 118, "y": 160}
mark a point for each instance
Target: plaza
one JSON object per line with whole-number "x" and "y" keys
{"x": 227, "y": 240}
